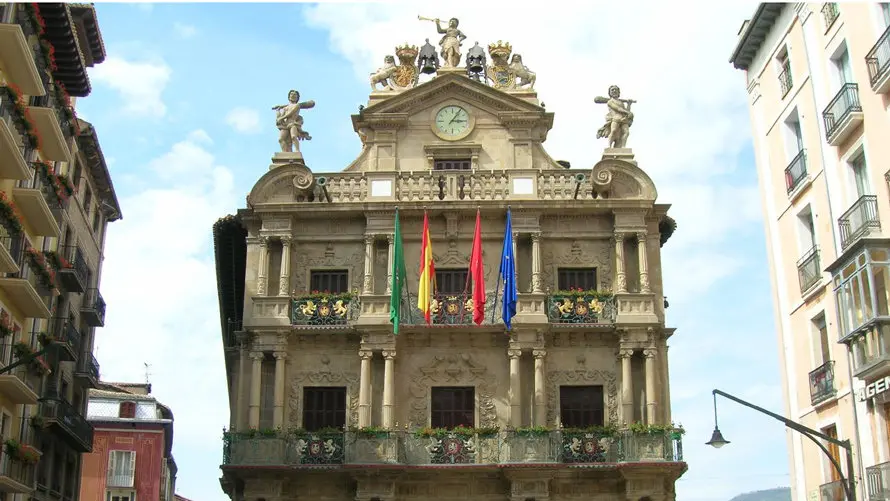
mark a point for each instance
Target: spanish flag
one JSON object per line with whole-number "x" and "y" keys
{"x": 427, "y": 271}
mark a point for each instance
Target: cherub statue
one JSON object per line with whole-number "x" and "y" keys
{"x": 521, "y": 71}
{"x": 290, "y": 123}
{"x": 383, "y": 74}
{"x": 450, "y": 42}
{"x": 619, "y": 118}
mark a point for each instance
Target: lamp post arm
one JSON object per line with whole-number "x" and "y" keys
{"x": 24, "y": 360}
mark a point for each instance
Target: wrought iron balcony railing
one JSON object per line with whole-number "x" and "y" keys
{"x": 324, "y": 309}
{"x": 832, "y": 491}
{"x": 796, "y": 171}
{"x": 830, "y": 13}
{"x": 859, "y": 220}
{"x": 878, "y": 59}
{"x": 72, "y": 268}
{"x": 822, "y": 383}
{"x": 585, "y": 308}
{"x": 452, "y": 309}
{"x": 19, "y": 468}
{"x": 809, "y": 270}
{"x": 74, "y": 426}
{"x": 88, "y": 366}
{"x": 877, "y": 478}
{"x": 93, "y": 308}
{"x": 845, "y": 102}
{"x": 456, "y": 447}
{"x": 785, "y": 82}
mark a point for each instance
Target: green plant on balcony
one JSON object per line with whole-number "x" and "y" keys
{"x": 40, "y": 265}
{"x": 531, "y": 431}
{"x": 20, "y": 117}
{"x": 63, "y": 100}
{"x": 371, "y": 431}
{"x": 37, "y": 421}
{"x": 5, "y": 324}
{"x": 9, "y": 215}
{"x": 45, "y": 339}
{"x": 23, "y": 453}
{"x": 23, "y": 351}
{"x": 655, "y": 429}
{"x": 57, "y": 261}
{"x": 51, "y": 180}
{"x": 606, "y": 430}
{"x": 66, "y": 185}
{"x": 461, "y": 431}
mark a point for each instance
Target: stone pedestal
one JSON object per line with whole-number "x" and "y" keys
{"x": 625, "y": 154}
{"x": 528, "y": 95}
{"x": 281, "y": 158}
{"x": 447, "y": 71}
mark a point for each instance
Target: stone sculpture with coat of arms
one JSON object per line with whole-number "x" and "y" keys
{"x": 504, "y": 71}
{"x": 397, "y": 77}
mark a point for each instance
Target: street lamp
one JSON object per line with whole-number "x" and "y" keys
{"x": 717, "y": 441}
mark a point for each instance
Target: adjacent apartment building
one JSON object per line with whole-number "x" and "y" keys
{"x": 56, "y": 199}
{"x": 568, "y": 399}
{"x": 132, "y": 455}
{"x": 818, "y": 80}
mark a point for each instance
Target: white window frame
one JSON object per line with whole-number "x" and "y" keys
{"x": 806, "y": 233}
{"x": 120, "y": 494}
{"x": 121, "y": 480}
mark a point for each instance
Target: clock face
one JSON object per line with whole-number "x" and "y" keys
{"x": 452, "y": 120}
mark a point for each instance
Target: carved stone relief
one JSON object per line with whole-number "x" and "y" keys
{"x": 452, "y": 369}
{"x": 308, "y": 257}
{"x": 454, "y": 258}
{"x": 581, "y": 376}
{"x": 580, "y": 254}
{"x": 323, "y": 377}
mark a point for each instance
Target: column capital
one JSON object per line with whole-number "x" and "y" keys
{"x": 263, "y": 241}
{"x": 257, "y": 355}
{"x": 280, "y": 355}
{"x": 390, "y": 238}
{"x": 389, "y": 355}
{"x": 369, "y": 239}
{"x": 365, "y": 354}
{"x": 625, "y": 353}
{"x": 619, "y": 236}
{"x": 650, "y": 352}
{"x": 539, "y": 354}
{"x": 536, "y": 236}
{"x": 514, "y": 353}
{"x": 641, "y": 237}
{"x": 286, "y": 240}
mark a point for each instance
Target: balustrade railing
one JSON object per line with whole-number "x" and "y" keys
{"x": 877, "y": 478}
{"x": 21, "y": 468}
{"x": 454, "y": 447}
{"x": 830, "y": 13}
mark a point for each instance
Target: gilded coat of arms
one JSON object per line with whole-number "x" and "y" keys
{"x": 499, "y": 71}
{"x": 406, "y": 73}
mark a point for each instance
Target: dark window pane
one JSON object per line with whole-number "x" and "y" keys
{"x": 453, "y": 164}
{"x": 579, "y": 278}
{"x": 324, "y": 407}
{"x": 581, "y": 406}
{"x": 452, "y": 407}
{"x": 333, "y": 281}
{"x": 451, "y": 281}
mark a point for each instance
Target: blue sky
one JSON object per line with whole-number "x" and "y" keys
{"x": 183, "y": 104}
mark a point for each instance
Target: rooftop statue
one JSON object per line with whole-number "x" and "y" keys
{"x": 619, "y": 118}
{"x": 290, "y": 123}
{"x": 450, "y": 42}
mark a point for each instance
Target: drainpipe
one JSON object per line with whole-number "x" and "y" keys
{"x": 861, "y": 492}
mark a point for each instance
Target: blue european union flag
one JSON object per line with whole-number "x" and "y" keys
{"x": 508, "y": 272}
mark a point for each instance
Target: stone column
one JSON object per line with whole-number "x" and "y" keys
{"x": 284, "y": 282}
{"x": 241, "y": 392}
{"x": 627, "y": 391}
{"x": 643, "y": 252}
{"x": 540, "y": 389}
{"x": 649, "y": 353}
{"x": 389, "y": 388}
{"x": 255, "y": 388}
{"x": 515, "y": 403}
{"x": 364, "y": 390}
{"x": 620, "y": 278}
{"x": 278, "y": 416}
{"x": 368, "y": 283}
{"x": 262, "y": 266}
{"x": 536, "y": 263}
{"x": 390, "y": 239}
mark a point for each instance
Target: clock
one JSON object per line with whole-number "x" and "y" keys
{"x": 452, "y": 122}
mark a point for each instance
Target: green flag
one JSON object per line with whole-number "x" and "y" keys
{"x": 399, "y": 276}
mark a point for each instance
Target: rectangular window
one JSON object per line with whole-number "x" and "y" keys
{"x": 860, "y": 175}
{"x": 885, "y": 13}
{"x": 127, "y": 410}
{"x": 452, "y": 164}
{"x": 843, "y": 67}
{"x": 87, "y": 199}
{"x": 581, "y": 406}
{"x": 120, "y": 495}
{"x": 578, "y": 278}
{"x": 452, "y": 281}
{"x": 835, "y": 453}
{"x": 823, "y": 348}
{"x": 333, "y": 281}
{"x": 267, "y": 394}
{"x": 451, "y": 407}
{"x": 797, "y": 135}
{"x": 324, "y": 407}
{"x": 806, "y": 230}
{"x": 121, "y": 468}
{"x": 784, "y": 71}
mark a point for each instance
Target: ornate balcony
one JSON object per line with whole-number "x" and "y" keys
{"x": 581, "y": 308}
{"x": 46, "y": 119}
{"x": 17, "y": 466}
{"x": 871, "y": 350}
{"x": 451, "y": 447}
{"x": 66, "y": 336}
{"x": 822, "y": 383}
{"x": 796, "y": 172}
{"x": 859, "y": 220}
{"x": 92, "y": 310}
{"x": 88, "y": 369}
{"x": 452, "y": 309}
{"x": 27, "y": 288}
{"x": 809, "y": 271}
{"x": 878, "y": 62}
{"x": 21, "y": 385}
{"x": 832, "y": 491}
{"x": 8, "y": 263}
{"x": 68, "y": 423}
{"x": 877, "y": 478}
{"x": 17, "y": 60}
{"x": 71, "y": 268}
{"x": 785, "y": 81}
{"x": 324, "y": 310}
{"x": 33, "y": 198}
{"x": 843, "y": 114}
{"x": 830, "y": 13}
{"x": 12, "y": 162}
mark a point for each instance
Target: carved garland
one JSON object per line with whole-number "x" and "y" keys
{"x": 323, "y": 378}
{"x": 577, "y": 377}
{"x": 581, "y": 255}
{"x": 452, "y": 369}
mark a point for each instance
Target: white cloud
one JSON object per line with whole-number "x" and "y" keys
{"x": 143, "y": 6}
{"x": 160, "y": 284}
{"x": 244, "y": 120}
{"x": 691, "y": 126}
{"x": 139, "y": 83}
{"x": 184, "y": 30}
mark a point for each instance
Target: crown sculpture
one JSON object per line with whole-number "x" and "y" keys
{"x": 504, "y": 72}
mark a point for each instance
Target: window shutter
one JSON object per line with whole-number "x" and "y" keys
{"x": 131, "y": 468}
{"x": 112, "y": 463}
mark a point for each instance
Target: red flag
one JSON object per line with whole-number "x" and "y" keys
{"x": 477, "y": 273}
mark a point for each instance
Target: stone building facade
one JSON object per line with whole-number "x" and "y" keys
{"x": 327, "y": 403}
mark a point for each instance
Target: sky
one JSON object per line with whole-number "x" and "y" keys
{"x": 182, "y": 107}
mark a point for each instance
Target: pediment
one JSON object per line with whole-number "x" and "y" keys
{"x": 452, "y": 85}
